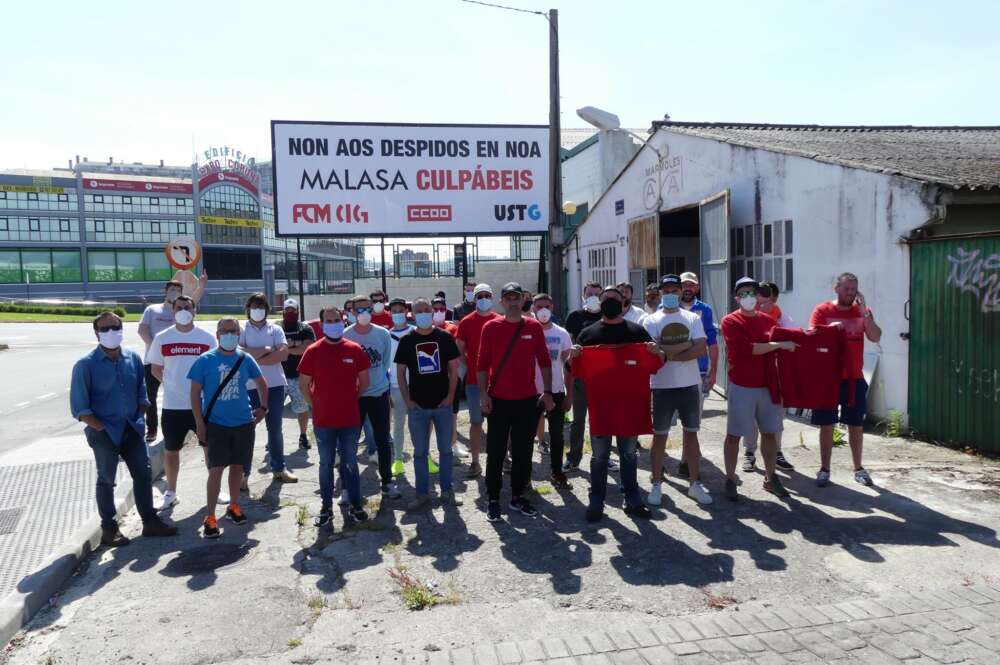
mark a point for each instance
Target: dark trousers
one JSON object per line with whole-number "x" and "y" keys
{"x": 515, "y": 420}
{"x": 132, "y": 451}
{"x": 556, "y": 422}
{"x": 376, "y": 409}
{"x": 152, "y": 387}
{"x": 579, "y": 422}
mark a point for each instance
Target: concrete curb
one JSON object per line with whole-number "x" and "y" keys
{"x": 38, "y": 587}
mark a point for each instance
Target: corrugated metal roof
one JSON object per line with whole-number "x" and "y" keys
{"x": 574, "y": 136}
{"x": 958, "y": 157}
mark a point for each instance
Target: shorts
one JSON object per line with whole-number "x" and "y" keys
{"x": 752, "y": 405}
{"x": 852, "y": 416}
{"x": 472, "y": 401}
{"x": 176, "y": 423}
{"x": 298, "y": 404}
{"x": 669, "y": 402}
{"x": 229, "y": 445}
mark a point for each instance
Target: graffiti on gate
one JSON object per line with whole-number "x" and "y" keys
{"x": 978, "y": 276}
{"x": 977, "y": 382}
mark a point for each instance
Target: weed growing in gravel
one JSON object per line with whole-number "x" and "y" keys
{"x": 415, "y": 594}
{"x": 294, "y": 642}
{"x": 894, "y": 424}
{"x": 302, "y": 516}
{"x": 838, "y": 436}
{"x": 718, "y": 602}
{"x": 543, "y": 489}
{"x": 317, "y": 604}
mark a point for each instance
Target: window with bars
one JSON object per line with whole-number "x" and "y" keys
{"x": 763, "y": 251}
{"x": 601, "y": 263}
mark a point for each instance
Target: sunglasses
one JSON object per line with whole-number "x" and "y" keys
{"x": 105, "y": 329}
{"x": 745, "y": 294}
{"x": 363, "y": 310}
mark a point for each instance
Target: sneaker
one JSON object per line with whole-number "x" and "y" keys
{"x": 460, "y": 450}
{"x": 612, "y": 464}
{"x": 223, "y": 497}
{"x": 682, "y": 470}
{"x": 398, "y": 468}
{"x": 655, "y": 496}
{"x": 432, "y": 467}
{"x": 699, "y": 493}
{"x": 358, "y": 514}
{"x": 112, "y": 537}
{"x": 344, "y": 499}
{"x": 731, "y": 492}
{"x": 822, "y": 478}
{"x": 594, "y": 515}
{"x": 210, "y": 528}
{"x": 235, "y": 515}
{"x": 862, "y": 476}
{"x": 775, "y": 487}
{"x": 559, "y": 481}
{"x": 420, "y": 502}
{"x": 570, "y": 467}
{"x": 245, "y": 483}
{"x": 157, "y": 528}
{"x": 543, "y": 447}
{"x": 749, "y": 463}
{"x": 304, "y": 442}
{"x": 449, "y": 498}
{"x": 285, "y": 477}
{"x": 783, "y": 463}
{"x": 522, "y": 505}
{"x": 390, "y": 491}
{"x": 170, "y": 500}
{"x": 151, "y": 436}
{"x": 493, "y": 512}
{"x": 474, "y": 470}
{"x": 325, "y": 517}
{"x": 640, "y": 511}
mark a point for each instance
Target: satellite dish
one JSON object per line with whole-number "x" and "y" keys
{"x": 601, "y": 119}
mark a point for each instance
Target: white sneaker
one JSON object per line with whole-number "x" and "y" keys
{"x": 169, "y": 500}
{"x": 612, "y": 464}
{"x": 223, "y": 497}
{"x": 655, "y": 495}
{"x": 344, "y": 499}
{"x": 698, "y": 492}
{"x": 461, "y": 451}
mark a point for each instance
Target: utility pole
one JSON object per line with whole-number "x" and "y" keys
{"x": 555, "y": 171}
{"x": 302, "y": 294}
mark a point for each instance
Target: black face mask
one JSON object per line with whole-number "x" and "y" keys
{"x": 526, "y": 307}
{"x": 611, "y": 308}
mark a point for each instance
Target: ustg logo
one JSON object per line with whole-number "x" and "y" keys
{"x": 511, "y": 211}
{"x": 314, "y": 213}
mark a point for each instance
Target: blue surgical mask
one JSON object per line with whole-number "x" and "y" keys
{"x": 351, "y": 318}
{"x": 333, "y": 330}
{"x": 398, "y": 318}
{"x": 228, "y": 341}
{"x": 670, "y": 300}
{"x": 424, "y": 319}
{"x": 484, "y": 304}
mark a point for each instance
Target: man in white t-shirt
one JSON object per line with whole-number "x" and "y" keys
{"x": 631, "y": 312}
{"x": 267, "y": 344}
{"x": 677, "y": 387}
{"x": 170, "y": 357}
{"x": 558, "y": 342}
{"x": 155, "y": 319}
{"x": 400, "y": 329}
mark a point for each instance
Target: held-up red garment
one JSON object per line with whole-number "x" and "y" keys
{"x": 617, "y": 383}
{"x": 810, "y": 376}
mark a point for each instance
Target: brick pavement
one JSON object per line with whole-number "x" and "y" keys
{"x": 956, "y": 625}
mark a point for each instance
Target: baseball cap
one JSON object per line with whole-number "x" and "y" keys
{"x": 291, "y": 302}
{"x": 440, "y": 294}
{"x": 745, "y": 281}
{"x": 511, "y": 287}
{"x": 670, "y": 280}
{"x": 397, "y": 301}
{"x": 689, "y": 277}
{"x": 612, "y": 287}
{"x": 480, "y": 288}
{"x": 438, "y": 301}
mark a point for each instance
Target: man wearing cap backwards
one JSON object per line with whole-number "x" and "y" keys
{"x": 676, "y": 387}
{"x": 299, "y": 336}
{"x": 509, "y": 351}
{"x": 746, "y": 333}
{"x": 470, "y": 331}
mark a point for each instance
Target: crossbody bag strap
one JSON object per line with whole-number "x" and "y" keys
{"x": 503, "y": 360}
{"x": 225, "y": 382}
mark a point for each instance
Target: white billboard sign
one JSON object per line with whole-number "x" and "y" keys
{"x": 353, "y": 179}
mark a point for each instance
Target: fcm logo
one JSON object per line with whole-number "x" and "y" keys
{"x": 511, "y": 211}
{"x": 314, "y": 213}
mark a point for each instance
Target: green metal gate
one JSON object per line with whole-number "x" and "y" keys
{"x": 954, "y": 394}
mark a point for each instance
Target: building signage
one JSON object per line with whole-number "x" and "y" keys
{"x": 227, "y": 164}
{"x": 32, "y": 188}
{"x": 353, "y": 179}
{"x": 620, "y": 207}
{"x": 229, "y": 221}
{"x": 137, "y": 186}
{"x": 215, "y": 178}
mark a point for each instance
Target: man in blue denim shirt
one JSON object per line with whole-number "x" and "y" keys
{"x": 108, "y": 394}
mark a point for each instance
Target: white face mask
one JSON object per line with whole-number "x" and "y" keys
{"x": 379, "y": 307}
{"x": 543, "y": 315}
{"x": 364, "y": 319}
{"x": 258, "y": 315}
{"x": 439, "y": 317}
{"x": 111, "y": 339}
{"x": 183, "y": 317}
{"x": 592, "y": 304}
{"x": 749, "y": 303}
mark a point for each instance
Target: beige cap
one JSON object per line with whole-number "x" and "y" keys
{"x": 689, "y": 277}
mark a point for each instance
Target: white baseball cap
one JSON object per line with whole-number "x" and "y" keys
{"x": 482, "y": 287}
{"x": 291, "y": 302}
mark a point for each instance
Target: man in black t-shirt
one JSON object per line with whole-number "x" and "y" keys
{"x": 427, "y": 372}
{"x": 577, "y": 320}
{"x": 299, "y": 336}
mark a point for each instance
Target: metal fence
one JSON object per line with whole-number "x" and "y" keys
{"x": 436, "y": 260}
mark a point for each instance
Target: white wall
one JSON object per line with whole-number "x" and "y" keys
{"x": 844, "y": 220}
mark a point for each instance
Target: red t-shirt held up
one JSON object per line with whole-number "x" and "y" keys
{"x": 852, "y": 320}
{"x": 616, "y": 378}
{"x": 334, "y": 369}
{"x": 470, "y": 331}
{"x": 741, "y": 332}
{"x": 810, "y": 375}
{"x": 517, "y": 380}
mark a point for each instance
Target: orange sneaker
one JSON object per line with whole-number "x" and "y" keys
{"x": 210, "y": 528}
{"x": 235, "y": 515}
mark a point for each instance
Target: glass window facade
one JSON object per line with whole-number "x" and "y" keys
{"x": 41, "y": 265}
{"x": 229, "y": 201}
{"x": 41, "y": 229}
{"x": 136, "y": 230}
{"x": 38, "y": 201}
{"x": 138, "y": 204}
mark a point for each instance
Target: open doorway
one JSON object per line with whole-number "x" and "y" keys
{"x": 679, "y": 241}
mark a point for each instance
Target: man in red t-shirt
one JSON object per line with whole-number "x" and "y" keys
{"x": 751, "y": 373}
{"x": 470, "y": 331}
{"x": 380, "y": 311}
{"x": 333, "y": 373}
{"x": 850, "y": 313}
{"x": 509, "y": 351}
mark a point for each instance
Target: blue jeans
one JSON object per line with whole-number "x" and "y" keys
{"x": 599, "y": 470}
{"x": 275, "y": 439}
{"x": 331, "y": 441}
{"x": 133, "y": 451}
{"x": 420, "y": 434}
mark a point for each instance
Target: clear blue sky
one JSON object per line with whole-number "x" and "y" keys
{"x": 144, "y": 80}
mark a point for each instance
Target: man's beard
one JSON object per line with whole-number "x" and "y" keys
{"x": 687, "y": 296}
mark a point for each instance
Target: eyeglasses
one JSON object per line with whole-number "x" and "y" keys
{"x": 363, "y": 310}
{"x": 105, "y": 329}
{"x": 745, "y": 294}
